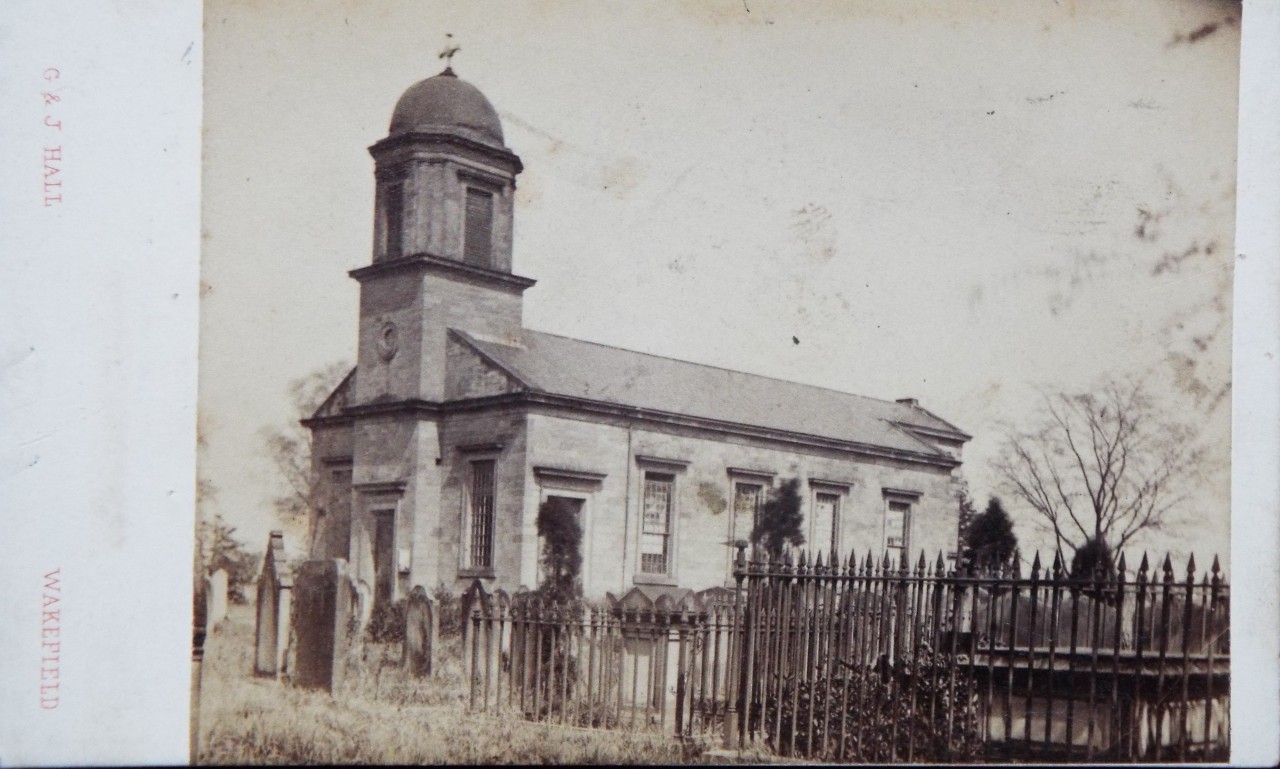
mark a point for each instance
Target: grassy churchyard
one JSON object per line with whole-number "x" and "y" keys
{"x": 384, "y": 717}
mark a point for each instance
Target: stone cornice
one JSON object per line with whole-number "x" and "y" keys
{"x": 411, "y": 138}
{"x": 662, "y": 463}
{"x": 380, "y": 487}
{"x": 441, "y": 266}
{"x": 431, "y": 410}
{"x": 569, "y": 476}
{"x": 906, "y": 493}
{"x": 828, "y": 483}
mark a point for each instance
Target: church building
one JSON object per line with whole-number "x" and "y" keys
{"x": 434, "y": 454}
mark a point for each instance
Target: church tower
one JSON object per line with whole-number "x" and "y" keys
{"x": 443, "y": 216}
{"x": 445, "y": 189}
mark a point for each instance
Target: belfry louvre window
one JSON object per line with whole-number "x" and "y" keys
{"x": 655, "y": 532}
{"x": 481, "y": 515}
{"x": 393, "y": 204}
{"x": 478, "y": 238}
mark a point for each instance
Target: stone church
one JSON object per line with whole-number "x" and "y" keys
{"x": 434, "y": 454}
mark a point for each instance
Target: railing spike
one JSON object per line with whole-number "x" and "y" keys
{"x": 940, "y": 565}
{"x": 1035, "y": 566}
{"x": 1167, "y": 568}
{"x": 1057, "y": 565}
{"x": 1120, "y": 565}
{"x": 1144, "y": 566}
{"x": 1215, "y": 567}
{"x": 1191, "y": 565}
{"x": 817, "y": 563}
{"x": 803, "y": 561}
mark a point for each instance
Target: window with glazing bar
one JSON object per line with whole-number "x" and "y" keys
{"x": 826, "y": 524}
{"x": 655, "y": 532}
{"x": 481, "y": 517}
{"x": 897, "y": 529}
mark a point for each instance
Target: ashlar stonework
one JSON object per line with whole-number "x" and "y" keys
{"x": 457, "y": 423}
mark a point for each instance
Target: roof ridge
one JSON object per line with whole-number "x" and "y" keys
{"x": 722, "y": 368}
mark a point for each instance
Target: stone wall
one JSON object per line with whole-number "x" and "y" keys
{"x": 499, "y": 435}
{"x": 331, "y": 454}
{"x": 703, "y": 466}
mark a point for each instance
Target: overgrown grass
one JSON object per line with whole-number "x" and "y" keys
{"x": 383, "y": 716}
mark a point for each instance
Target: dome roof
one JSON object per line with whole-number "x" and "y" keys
{"x": 445, "y": 102}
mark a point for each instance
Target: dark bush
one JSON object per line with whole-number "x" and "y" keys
{"x": 387, "y": 623}
{"x": 448, "y": 612}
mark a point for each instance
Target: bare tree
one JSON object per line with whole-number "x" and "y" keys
{"x": 289, "y": 445}
{"x": 1103, "y": 467}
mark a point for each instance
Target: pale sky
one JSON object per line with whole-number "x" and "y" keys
{"x": 938, "y": 200}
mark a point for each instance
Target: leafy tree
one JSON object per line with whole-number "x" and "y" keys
{"x": 967, "y": 512}
{"x": 561, "y": 534}
{"x": 989, "y": 540}
{"x": 218, "y": 548}
{"x": 779, "y": 525}
{"x": 289, "y": 445}
{"x": 1103, "y": 466}
{"x": 1089, "y": 558}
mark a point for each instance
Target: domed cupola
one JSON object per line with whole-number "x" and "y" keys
{"x": 446, "y": 103}
{"x": 442, "y": 231}
{"x": 445, "y": 180}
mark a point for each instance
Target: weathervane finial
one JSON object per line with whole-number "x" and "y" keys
{"x": 450, "y": 48}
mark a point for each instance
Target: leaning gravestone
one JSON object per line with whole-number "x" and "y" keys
{"x": 217, "y": 593}
{"x": 323, "y": 605}
{"x": 273, "y": 609}
{"x": 419, "y": 633}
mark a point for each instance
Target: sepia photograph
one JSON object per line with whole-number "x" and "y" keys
{"x": 729, "y": 381}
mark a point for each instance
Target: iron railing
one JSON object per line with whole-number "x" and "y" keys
{"x": 867, "y": 660}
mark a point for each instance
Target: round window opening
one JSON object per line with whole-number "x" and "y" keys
{"x": 388, "y": 341}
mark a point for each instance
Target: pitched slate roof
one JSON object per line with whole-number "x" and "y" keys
{"x": 559, "y": 365}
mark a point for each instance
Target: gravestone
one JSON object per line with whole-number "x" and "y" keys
{"x": 475, "y": 608}
{"x": 419, "y": 633}
{"x": 217, "y": 593}
{"x": 275, "y": 592}
{"x": 324, "y": 601}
